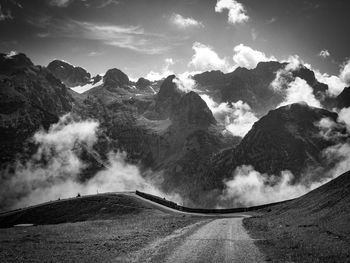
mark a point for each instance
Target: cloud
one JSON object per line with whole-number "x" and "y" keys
{"x": 299, "y": 91}
{"x": 241, "y": 120}
{"x": 123, "y": 36}
{"x": 5, "y": 14}
{"x": 272, "y": 20}
{"x": 295, "y": 90}
{"x": 53, "y": 171}
{"x": 87, "y": 3}
{"x": 153, "y": 75}
{"x": 247, "y": 57}
{"x": 336, "y": 84}
{"x": 102, "y": 3}
{"x": 248, "y": 187}
{"x": 340, "y": 154}
{"x": 11, "y": 54}
{"x": 183, "y": 23}
{"x": 205, "y": 58}
{"x": 94, "y": 53}
{"x": 254, "y": 34}
{"x": 324, "y": 53}
{"x": 185, "y": 82}
{"x": 236, "y": 11}
{"x": 60, "y": 3}
{"x": 294, "y": 63}
{"x": 345, "y": 72}
{"x": 344, "y": 117}
{"x": 238, "y": 117}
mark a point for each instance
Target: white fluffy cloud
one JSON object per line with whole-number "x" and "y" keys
{"x": 205, "y": 58}
{"x": 324, "y": 53}
{"x": 236, "y": 11}
{"x": 247, "y": 57}
{"x": 249, "y": 187}
{"x": 53, "y": 171}
{"x": 238, "y": 117}
{"x": 153, "y": 75}
{"x": 299, "y": 91}
{"x": 345, "y": 73}
{"x": 185, "y": 82}
{"x": 183, "y": 22}
{"x": 336, "y": 84}
{"x": 344, "y": 116}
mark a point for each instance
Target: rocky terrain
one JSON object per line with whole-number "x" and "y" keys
{"x": 69, "y": 75}
{"x": 30, "y": 98}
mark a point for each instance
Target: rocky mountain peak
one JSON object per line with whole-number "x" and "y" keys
{"x": 10, "y": 63}
{"x": 115, "y": 78}
{"x": 192, "y": 110}
{"x": 143, "y": 83}
{"x": 70, "y": 75}
{"x": 167, "y": 97}
{"x": 287, "y": 138}
{"x": 309, "y": 76}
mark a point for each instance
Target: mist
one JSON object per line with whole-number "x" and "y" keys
{"x": 248, "y": 187}
{"x": 53, "y": 170}
{"x": 237, "y": 117}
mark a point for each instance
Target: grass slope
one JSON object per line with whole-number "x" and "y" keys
{"x": 111, "y": 228}
{"x": 98, "y": 207}
{"x": 314, "y": 227}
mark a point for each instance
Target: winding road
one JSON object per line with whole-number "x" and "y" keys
{"x": 215, "y": 240}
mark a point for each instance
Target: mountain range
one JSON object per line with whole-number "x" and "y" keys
{"x": 164, "y": 129}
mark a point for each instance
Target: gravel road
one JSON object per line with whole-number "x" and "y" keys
{"x": 216, "y": 240}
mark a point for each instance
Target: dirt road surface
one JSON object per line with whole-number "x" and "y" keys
{"x": 215, "y": 240}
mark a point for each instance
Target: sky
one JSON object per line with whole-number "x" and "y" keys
{"x": 155, "y": 37}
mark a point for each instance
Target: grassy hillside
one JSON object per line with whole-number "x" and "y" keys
{"x": 111, "y": 228}
{"x": 98, "y": 207}
{"x": 314, "y": 227}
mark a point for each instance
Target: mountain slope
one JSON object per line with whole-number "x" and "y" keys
{"x": 69, "y": 75}
{"x": 312, "y": 228}
{"x": 30, "y": 98}
{"x": 254, "y": 86}
{"x": 287, "y": 138}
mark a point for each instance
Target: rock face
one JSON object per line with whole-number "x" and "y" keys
{"x": 115, "y": 79}
{"x": 306, "y": 74}
{"x": 10, "y": 64}
{"x": 30, "y": 98}
{"x": 343, "y": 99}
{"x": 143, "y": 83}
{"x": 191, "y": 110}
{"x": 69, "y": 75}
{"x": 254, "y": 86}
{"x": 167, "y": 97}
{"x": 172, "y": 133}
{"x": 287, "y": 138}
